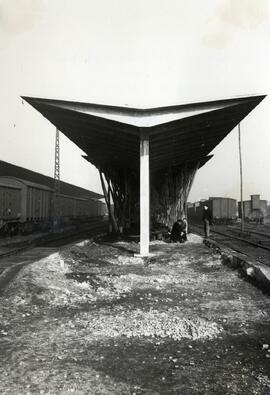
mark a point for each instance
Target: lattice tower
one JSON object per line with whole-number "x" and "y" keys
{"x": 57, "y": 163}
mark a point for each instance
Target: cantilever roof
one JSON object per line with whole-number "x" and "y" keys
{"x": 109, "y": 135}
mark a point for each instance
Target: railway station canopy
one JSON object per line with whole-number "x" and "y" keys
{"x": 110, "y": 135}
{"x": 159, "y": 143}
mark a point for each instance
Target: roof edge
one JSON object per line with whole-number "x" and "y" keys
{"x": 135, "y": 111}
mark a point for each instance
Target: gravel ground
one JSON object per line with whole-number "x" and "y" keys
{"x": 94, "y": 319}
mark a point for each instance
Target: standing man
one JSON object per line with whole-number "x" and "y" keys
{"x": 207, "y": 220}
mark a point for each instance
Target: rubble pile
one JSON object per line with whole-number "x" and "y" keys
{"x": 153, "y": 324}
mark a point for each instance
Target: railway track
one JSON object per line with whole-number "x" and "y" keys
{"x": 254, "y": 230}
{"x": 246, "y": 244}
{"x": 15, "y": 258}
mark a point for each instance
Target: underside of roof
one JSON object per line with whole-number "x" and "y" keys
{"x": 110, "y": 135}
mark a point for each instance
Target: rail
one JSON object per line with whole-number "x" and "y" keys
{"x": 229, "y": 236}
{"x": 53, "y": 239}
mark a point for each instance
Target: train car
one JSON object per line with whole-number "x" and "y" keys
{"x": 101, "y": 209}
{"x": 223, "y": 209}
{"x": 23, "y": 205}
{"x": 194, "y": 212}
{"x": 78, "y": 209}
{"x": 66, "y": 206}
{"x": 10, "y": 201}
{"x": 26, "y": 207}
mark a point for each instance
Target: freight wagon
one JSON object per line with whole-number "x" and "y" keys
{"x": 26, "y": 206}
{"x": 223, "y": 209}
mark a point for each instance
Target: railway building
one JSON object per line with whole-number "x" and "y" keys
{"x": 255, "y": 209}
{"x": 143, "y": 152}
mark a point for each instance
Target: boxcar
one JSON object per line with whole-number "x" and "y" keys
{"x": 102, "y": 210}
{"x": 23, "y": 204}
{"x": 10, "y": 201}
{"x": 26, "y": 206}
{"x": 223, "y": 209}
{"x": 38, "y": 203}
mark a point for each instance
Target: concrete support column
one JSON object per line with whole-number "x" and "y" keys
{"x": 144, "y": 193}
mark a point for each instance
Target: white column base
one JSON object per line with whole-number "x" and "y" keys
{"x": 149, "y": 255}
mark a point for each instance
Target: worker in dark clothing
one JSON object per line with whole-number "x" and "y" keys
{"x": 178, "y": 233}
{"x": 207, "y": 220}
{"x": 185, "y": 229}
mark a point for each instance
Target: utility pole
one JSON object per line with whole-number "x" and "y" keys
{"x": 56, "y": 179}
{"x": 241, "y": 180}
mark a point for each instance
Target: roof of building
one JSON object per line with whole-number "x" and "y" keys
{"x": 110, "y": 135}
{"x": 8, "y": 169}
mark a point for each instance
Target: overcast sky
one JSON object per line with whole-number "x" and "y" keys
{"x": 137, "y": 53}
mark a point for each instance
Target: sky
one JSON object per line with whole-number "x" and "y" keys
{"x": 136, "y": 53}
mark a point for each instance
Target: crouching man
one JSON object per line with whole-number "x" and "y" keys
{"x": 179, "y": 231}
